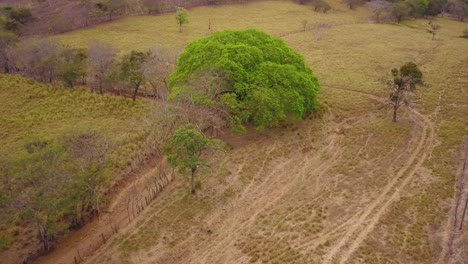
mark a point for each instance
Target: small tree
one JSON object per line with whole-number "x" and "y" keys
{"x": 304, "y": 24}
{"x": 352, "y": 3}
{"x": 6, "y": 41}
{"x": 404, "y": 82}
{"x": 379, "y": 10}
{"x": 185, "y": 150}
{"x": 157, "y": 67}
{"x": 101, "y": 60}
{"x": 72, "y": 65}
{"x": 181, "y": 17}
{"x": 465, "y": 33}
{"x": 434, "y": 28}
{"x": 459, "y": 8}
{"x": 131, "y": 70}
{"x": 400, "y": 10}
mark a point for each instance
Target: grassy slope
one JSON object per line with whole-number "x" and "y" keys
{"x": 30, "y": 110}
{"x": 143, "y": 32}
{"x": 356, "y": 56}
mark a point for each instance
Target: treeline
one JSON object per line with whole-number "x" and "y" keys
{"x": 99, "y": 68}
{"x": 54, "y": 183}
{"x": 396, "y": 11}
{"x": 56, "y": 179}
{"x": 56, "y": 16}
{"x": 33, "y": 17}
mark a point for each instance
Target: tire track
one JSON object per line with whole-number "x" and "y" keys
{"x": 366, "y": 222}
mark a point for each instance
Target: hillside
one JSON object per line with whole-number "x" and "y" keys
{"x": 346, "y": 185}
{"x": 350, "y": 187}
{"x": 32, "y": 113}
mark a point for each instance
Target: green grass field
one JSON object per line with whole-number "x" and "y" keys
{"x": 144, "y": 32}
{"x": 346, "y": 53}
{"x": 31, "y": 111}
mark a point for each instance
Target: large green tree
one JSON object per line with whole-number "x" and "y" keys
{"x": 255, "y": 76}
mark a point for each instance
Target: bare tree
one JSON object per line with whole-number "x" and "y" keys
{"x": 157, "y": 67}
{"x": 380, "y": 11}
{"x": 6, "y": 41}
{"x": 88, "y": 153}
{"x": 352, "y": 3}
{"x": 36, "y": 58}
{"x": 459, "y": 8}
{"x": 101, "y": 60}
{"x": 434, "y": 28}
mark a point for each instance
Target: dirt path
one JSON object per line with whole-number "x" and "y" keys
{"x": 120, "y": 213}
{"x": 366, "y": 223}
{"x": 357, "y": 232}
{"x": 461, "y": 193}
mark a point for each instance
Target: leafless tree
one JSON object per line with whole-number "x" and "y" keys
{"x": 433, "y": 28}
{"x": 380, "y": 11}
{"x": 159, "y": 64}
{"x": 352, "y": 3}
{"x": 459, "y": 8}
{"x": 88, "y": 151}
{"x": 36, "y": 58}
{"x": 101, "y": 60}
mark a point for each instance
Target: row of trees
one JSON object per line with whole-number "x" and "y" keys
{"x": 100, "y": 67}
{"x": 386, "y": 10}
{"x": 56, "y": 16}
{"x": 12, "y": 19}
{"x": 56, "y": 184}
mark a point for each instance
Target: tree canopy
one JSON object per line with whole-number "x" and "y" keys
{"x": 181, "y": 17}
{"x": 404, "y": 82}
{"x": 255, "y": 76}
{"x": 185, "y": 148}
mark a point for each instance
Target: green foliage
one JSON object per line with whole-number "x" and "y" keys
{"x": 111, "y": 7}
{"x": 400, "y": 10}
{"x": 22, "y": 15}
{"x": 73, "y": 66}
{"x": 321, "y": 5}
{"x": 409, "y": 73}
{"x": 465, "y": 33}
{"x": 405, "y": 80}
{"x": 131, "y": 69}
{"x": 256, "y": 76}
{"x": 14, "y": 18}
{"x": 181, "y": 17}
{"x": 184, "y": 150}
{"x": 418, "y": 7}
{"x": 4, "y": 242}
{"x": 7, "y": 8}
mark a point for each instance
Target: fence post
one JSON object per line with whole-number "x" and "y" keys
{"x": 464, "y": 212}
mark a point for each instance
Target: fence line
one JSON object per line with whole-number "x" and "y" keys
{"x": 134, "y": 204}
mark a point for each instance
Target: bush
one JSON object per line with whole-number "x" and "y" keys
{"x": 253, "y": 77}
{"x": 320, "y": 5}
{"x": 22, "y": 15}
{"x": 465, "y": 33}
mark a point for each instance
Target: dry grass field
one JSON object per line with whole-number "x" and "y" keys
{"x": 348, "y": 186}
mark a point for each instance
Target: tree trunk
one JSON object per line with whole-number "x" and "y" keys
{"x": 43, "y": 235}
{"x": 180, "y": 27}
{"x": 194, "y": 169}
{"x": 136, "y": 91}
{"x": 100, "y": 85}
{"x": 395, "y": 109}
